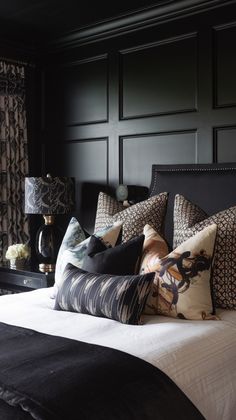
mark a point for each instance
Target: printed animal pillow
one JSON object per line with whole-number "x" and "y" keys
{"x": 182, "y": 284}
{"x": 190, "y": 219}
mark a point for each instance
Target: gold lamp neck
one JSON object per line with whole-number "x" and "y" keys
{"x": 48, "y": 219}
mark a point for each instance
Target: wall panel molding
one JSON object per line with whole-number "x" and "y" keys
{"x": 189, "y": 122}
{"x": 224, "y": 144}
{"x": 137, "y": 153}
{"x": 85, "y": 86}
{"x": 154, "y": 76}
{"x": 99, "y": 148}
{"x": 88, "y": 161}
{"x": 146, "y": 18}
{"x": 224, "y": 65}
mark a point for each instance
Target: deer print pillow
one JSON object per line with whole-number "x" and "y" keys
{"x": 182, "y": 284}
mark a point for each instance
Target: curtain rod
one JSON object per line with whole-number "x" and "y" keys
{"x": 14, "y": 61}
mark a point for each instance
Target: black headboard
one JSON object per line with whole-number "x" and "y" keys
{"x": 211, "y": 186}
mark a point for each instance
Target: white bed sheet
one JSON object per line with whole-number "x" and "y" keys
{"x": 199, "y": 356}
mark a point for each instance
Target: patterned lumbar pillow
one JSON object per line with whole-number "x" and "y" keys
{"x": 134, "y": 218}
{"x": 76, "y": 251}
{"x": 121, "y": 259}
{"x": 182, "y": 284}
{"x": 121, "y": 298}
{"x": 189, "y": 219}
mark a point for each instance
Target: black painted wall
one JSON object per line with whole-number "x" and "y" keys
{"x": 161, "y": 94}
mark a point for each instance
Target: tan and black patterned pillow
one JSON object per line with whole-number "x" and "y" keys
{"x": 184, "y": 278}
{"x": 154, "y": 249}
{"x": 151, "y": 211}
{"x": 190, "y": 219}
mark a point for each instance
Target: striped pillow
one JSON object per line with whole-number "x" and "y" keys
{"x": 121, "y": 298}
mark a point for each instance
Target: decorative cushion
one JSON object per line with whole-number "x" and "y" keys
{"x": 75, "y": 253}
{"x": 121, "y": 260}
{"x": 121, "y": 298}
{"x": 134, "y": 218}
{"x": 189, "y": 219}
{"x": 182, "y": 284}
{"x": 154, "y": 248}
{"x": 73, "y": 236}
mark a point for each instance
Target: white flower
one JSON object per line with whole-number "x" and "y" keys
{"x": 17, "y": 251}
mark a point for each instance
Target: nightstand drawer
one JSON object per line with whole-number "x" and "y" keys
{"x": 16, "y": 280}
{"x": 24, "y": 281}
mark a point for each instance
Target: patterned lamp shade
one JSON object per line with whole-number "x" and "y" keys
{"x": 49, "y": 195}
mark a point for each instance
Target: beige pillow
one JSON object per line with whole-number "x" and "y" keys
{"x": 182, "y": 285}
{"x": 190, "y": 219}
{"x": 154, "y": 248}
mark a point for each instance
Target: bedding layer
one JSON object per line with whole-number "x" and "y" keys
{"x": 56, "y": 378}
{"x": 199, "y": 356}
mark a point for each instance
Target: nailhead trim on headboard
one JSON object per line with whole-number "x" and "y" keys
{"x": 198, "y": 168}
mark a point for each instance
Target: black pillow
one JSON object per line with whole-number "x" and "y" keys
{"x": 121, "y": 298}
{"x": 121, "y": 259}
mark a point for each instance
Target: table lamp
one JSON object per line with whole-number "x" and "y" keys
{"x": 49, "y": 196}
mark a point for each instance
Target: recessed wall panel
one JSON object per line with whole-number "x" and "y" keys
{"x": 225, "y": 139}
{"x": 85, "y": 92}
{"x": 159, "y": 79}
{"x": 225, "y": 69}
{"x": 139, "y": 153}
{"x": 87, "y": 161}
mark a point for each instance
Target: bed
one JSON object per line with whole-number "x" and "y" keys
{"x": 199, "y": 357}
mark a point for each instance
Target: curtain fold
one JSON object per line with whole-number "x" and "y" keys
{"x": 14, "y": 225}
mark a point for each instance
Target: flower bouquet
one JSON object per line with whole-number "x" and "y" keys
{"x": 17, "y": 254}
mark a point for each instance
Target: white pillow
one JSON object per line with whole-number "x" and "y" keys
{"x": 74, "y": 235}
{"x": 76, "y": 251}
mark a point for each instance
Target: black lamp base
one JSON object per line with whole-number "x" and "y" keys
{"x": 48, "y": 241}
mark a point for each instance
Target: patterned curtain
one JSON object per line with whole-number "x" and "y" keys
{"x": 14, "y": 226}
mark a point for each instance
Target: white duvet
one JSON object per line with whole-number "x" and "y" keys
{"x": 199, "y": 356}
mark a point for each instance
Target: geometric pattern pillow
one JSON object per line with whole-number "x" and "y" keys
{"x": 189, "y": 219}
{"x": 183, "y": 279}
{"x": 151, "y": 211}
{"x": 76, "y": 254}
{"x": 121, "y": 259}
{"x": 121, "y": 298}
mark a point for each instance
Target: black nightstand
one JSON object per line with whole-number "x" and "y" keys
{"x": 15, "y": 281}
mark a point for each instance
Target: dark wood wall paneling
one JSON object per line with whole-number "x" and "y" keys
{"x": 162, "y": 94}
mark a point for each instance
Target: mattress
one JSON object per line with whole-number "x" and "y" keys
{"x": 199, "y": 356}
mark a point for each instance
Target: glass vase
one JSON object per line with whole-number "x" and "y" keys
{"x": 17, "y": 263}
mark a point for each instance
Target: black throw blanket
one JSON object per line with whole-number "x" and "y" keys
{"x": 52, "y": 378}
